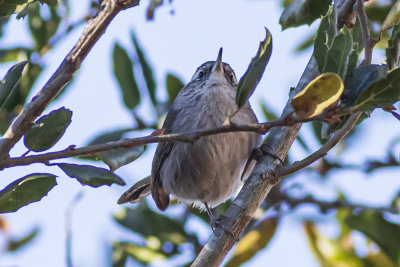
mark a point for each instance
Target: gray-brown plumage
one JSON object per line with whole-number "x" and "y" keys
{"x": 209, "y": 171}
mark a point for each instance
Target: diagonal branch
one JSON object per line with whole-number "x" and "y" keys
{"x": 263, "y": 177}
{"x": 287, "y": 170}
{"x": 64, "y": 74}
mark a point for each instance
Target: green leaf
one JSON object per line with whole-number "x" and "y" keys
{"x": 28, "y": 189}
{"x": 384, "y": 233}
{"x": 306, "y": 43}
{"x": 393, "y": 17}
{"x": 109, "y": 136}
{"x": 146, "y": 69}
{"x": 122, "y": 156}
{"x": 362, "y": 77}
{"x": 16, "y": 244}
{"x": 123, "y": 70}
{"x": 42, "y": 29}
{"x": 381, "y": 93}
{"x": 392, "y": 51}
{"x": 339, "y": 53}
{"x": 89, "y": 175}
{"x": 301, "y": 12}
{"x": 10, "y": 80}
{"x": 47, "y": 130}
{"x": 174, "y": 85}
{"x": 254, "y": 241}
{"x": 114, "y": 135}
{"x": 321, "y": 41}
{"x": 146, "y": 222}
{"x": 377, "y": 12}
{"x": 268, "y": 114}
{"x": 255, "y": 71}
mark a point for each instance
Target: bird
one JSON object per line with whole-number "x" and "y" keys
{"x": 211, "y": 170}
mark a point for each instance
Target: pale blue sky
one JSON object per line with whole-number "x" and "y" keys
{"x": 179, "y": 43}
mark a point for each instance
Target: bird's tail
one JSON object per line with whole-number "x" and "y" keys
{"x": 137, "y": 192}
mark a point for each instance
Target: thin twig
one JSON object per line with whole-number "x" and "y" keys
{"x": 285, "y": 171}
{"x": 68, "y": 227}
{"x": 71, "y": 151}
{"x": 325, "y": 206}
{"x": 64, "y": 74}
{"x": 368, "y": 41}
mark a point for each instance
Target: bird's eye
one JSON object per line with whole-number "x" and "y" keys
{"x": 201, "y": 75}
{"x": 232, "y": 78}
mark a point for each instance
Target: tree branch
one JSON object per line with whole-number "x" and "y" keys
{"x": 71, "y": 151}
{"x": 298, "y": 165}
{"x": 368, "y": 41}
{"x": 263, "y": 177}
{"x": 64, "y": 74}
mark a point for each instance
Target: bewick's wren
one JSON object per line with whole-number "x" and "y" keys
{"x": 211, "y": 170}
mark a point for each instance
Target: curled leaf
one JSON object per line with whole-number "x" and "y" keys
{"x": 255, "y": 71}
{"x": 319, "y": 94}
{"x": 392, "y": 18}
{"x": 119, "y": 157}
{"x": 89, "y": 175}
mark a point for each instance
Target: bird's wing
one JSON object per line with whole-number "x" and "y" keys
{"x": 137, "y": 192}
{"x": 163, "y": 150}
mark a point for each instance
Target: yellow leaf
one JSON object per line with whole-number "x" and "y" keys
{"x": 319, "y": 94}
{"x": 253, "y": 241}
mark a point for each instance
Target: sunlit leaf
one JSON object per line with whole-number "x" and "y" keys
{"x": 319, "y": 94}
{"x": 23, "y": 191}
{"x": 123, "y": 70}
{"x": 10, "y": 80}
{"x": 255, "y": 71}
{"x": 338, "y": 54}
{"x": 146, "y": 222}
{"x": 147, "y": 71}
{"x": 15, "y": 244}
{"x": 301, "y": 12}
{"x": 384, "y": 233}
{"x": 254, "y": 241}
{"x": 47, "y": 130}
{"x": 89, "y": 175}
{"x": 174, "y": 85}
{"x": 381, "y": 93}
{"x": 12, "y": 54}
{"x": 393, "y": 17}
{"x": 145, "y": 255}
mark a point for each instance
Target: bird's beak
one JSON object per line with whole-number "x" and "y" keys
{"x": 218, "y": 64}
